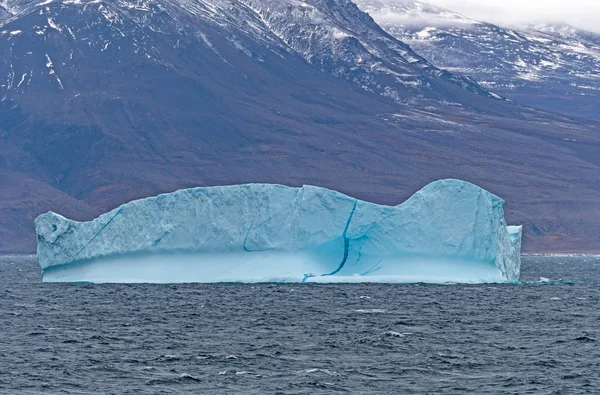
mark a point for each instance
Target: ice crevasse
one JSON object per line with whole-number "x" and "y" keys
{"x": 449, "y": 231}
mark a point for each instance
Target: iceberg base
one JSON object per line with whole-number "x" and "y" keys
{"x": 272, "y": 266}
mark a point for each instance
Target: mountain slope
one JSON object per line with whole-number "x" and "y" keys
{"x": 334, "y": 36}
{"x": 556, "y": 68}
{"x": 343, "y": 41}
{"x": 103, "y": 102}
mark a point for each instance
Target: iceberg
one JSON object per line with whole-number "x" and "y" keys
{"x": 449, "y": 231}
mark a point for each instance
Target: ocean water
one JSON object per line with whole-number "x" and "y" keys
{"x": 530, "y": 338}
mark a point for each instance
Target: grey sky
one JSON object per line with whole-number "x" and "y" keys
{"x": 580, "y": 13}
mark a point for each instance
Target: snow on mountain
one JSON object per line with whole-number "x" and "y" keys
{"x": 335, "y": 36}
{"x": 4, "y": 15}
{"x": 340, "y": 39}
{"x": 549, "y": 66}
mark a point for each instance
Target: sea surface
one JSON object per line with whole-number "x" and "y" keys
{"x": 538, "y": 337}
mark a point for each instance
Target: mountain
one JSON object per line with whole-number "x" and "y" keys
{"x": 553, "y": 67}
{"x": 338, "y": 38}
{"x": 103, "y": 102}
{"x": 4, "y": 15}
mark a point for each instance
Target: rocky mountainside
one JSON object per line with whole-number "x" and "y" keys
{"x": 4, "y": 15}
{"x": 553, "y": 67}
{"x": 335, "y": 36}
{"x": 103, "y": 102}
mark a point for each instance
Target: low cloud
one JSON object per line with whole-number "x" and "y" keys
{"x": 584, "y": 14}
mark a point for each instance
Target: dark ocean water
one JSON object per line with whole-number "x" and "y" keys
{"x": 303, "y": 339}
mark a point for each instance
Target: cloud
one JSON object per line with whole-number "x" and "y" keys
{"x": 584, "y": 14}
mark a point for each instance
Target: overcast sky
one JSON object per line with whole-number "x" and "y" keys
{"x": 580, "y": 13}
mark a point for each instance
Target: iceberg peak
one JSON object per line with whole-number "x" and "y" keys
{"x": 449, "y": 231}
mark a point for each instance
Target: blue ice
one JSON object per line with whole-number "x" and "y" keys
{"x": 450, "y": 231}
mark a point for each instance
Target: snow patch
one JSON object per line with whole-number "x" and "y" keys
{"x": 22, "y": 80}
{"x": 425, "y": 33}
{"x": 49, "y": 63}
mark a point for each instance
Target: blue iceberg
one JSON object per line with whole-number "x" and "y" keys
{"x": 450, "y": 231}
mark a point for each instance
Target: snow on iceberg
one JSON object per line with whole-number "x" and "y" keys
{"x": 450, "y": 231}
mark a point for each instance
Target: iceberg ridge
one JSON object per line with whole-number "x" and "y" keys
{"x": 449, "y": 231}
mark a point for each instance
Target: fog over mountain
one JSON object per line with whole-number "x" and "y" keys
{"x": 583, "y": 14}
{"x": 555, "y": 67}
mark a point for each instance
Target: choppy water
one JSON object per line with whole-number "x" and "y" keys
{"x": 302, "y": 339}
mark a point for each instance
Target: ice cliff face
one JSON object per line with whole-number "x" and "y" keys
{"x": 449, "y": 231}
